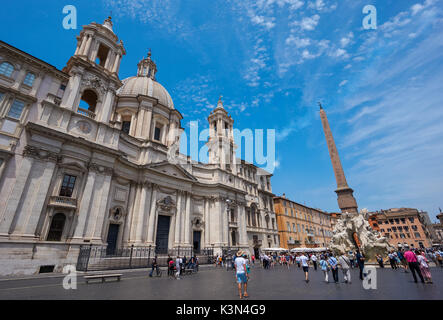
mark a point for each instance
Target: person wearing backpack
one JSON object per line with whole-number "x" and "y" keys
{"x": 345, "y": 264}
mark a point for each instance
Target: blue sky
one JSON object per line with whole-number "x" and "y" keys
{"x": 273, "y": 60}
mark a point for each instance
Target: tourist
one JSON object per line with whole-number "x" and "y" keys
{"x": 288, "y": 260}
{"x": 248, "y": 267}
{"x": 154, "y": 265}
{"x": 253, "y": 259}
{"x": 360, "y": 262}
{"x": 380, "y": 260}
{"x": 332, "y": 261}
{"x": 183, "y": 265}
{"x": 352, "y": 259}
{"x": 324, "y": 267}
{"x": 345, "y": 264}
{"x": 171, "y": 268}
{"x": 240, "y": 273}
{"x": 392, "y": 260}
{"x": 413, "y": 265}
{"x": 168, "y": 262}
{"x": 424, "y": 267}
{"x": 178, "y": 263}
{"x": 297, "y": 259}
{"x": 305, "y": 265}
{"x": 402, "y": 261}
{"x": 314, "y": 261}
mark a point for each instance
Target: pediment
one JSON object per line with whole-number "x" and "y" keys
{"x": 172, "y": 170}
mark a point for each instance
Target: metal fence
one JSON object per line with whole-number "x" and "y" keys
{"x": 95, "y": 258}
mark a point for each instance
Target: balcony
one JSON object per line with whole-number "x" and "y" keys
{"x": 257, "y": 242}
{"x": 63, "y": 202}
{"x": 87, "y": 113}
{"x": 233, "y": 224}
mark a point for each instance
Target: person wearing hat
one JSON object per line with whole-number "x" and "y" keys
{"x": 240, "y": 272}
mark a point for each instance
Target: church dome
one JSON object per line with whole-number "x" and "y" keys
{"x": 135, "y": 86}
{"x": 144, "y": 84}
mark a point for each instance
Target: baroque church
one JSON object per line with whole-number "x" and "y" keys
{"x": 89, "y": 159}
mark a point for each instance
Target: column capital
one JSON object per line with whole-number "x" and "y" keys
{"x": 41, "y": 154}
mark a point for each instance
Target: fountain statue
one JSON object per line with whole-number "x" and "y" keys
{"x": 353, "y": 231}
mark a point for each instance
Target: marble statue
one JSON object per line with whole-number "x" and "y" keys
{"x": 352, "y": 230}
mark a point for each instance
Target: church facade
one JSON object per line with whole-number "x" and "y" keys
{"x": 88, "y": 159}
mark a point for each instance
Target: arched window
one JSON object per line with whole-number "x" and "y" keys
{"x": 56, "y": 228}
{"x": 102, "y": 55}
{"x": 6, "y": 69}
{"x": 29, "y": 80}
{"x": 88, "y": 101}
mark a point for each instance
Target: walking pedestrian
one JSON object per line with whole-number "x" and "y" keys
{"x": 413, "y": 265}
{"x": 345, "y": 264}
{"x": 297, "y": 259}
{"x": 332, "y": 261}
{"x": 324, "y": 267}
{"x": 153, "y": 266}
{"x": 240, "y": 273}
{"x": 392, "y": 260}
{"x": 352, "y": 259}
{"x": 424, "y": 267}
{"x": 360, "y": 262}
{"x": 314, "y": 261}
{"x": 304, "y": 262}
{"x": 178, "y": 263}
{"x": 380, "y": 260}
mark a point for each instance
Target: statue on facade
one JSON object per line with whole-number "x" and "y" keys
{"x": 353, "y": 231}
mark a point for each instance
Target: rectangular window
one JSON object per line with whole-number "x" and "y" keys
{"x": 157, "y": 132}
{"x": 16, "y": 109}
{"x": 67, "y": 186}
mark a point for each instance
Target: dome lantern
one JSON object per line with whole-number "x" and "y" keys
{"x": 147, "y": 67}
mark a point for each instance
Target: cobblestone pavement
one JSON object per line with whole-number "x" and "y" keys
{"x": 218, "y": 284}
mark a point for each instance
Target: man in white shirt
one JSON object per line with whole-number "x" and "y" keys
{"x": 314, "y": 261}
{"x": 304, "y": 260}
{"x": 240, "y": 273}
{"x": 178, "y": 263}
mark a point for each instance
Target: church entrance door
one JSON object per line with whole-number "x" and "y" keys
{"x": 197, "y": 239}
{"x": 161, "y": 243}
{"x": 112, "y": 239}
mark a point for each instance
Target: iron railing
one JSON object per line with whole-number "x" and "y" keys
{"x": 95, "y": 258}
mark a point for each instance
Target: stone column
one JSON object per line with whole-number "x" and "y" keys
{"x": 13, "y": 202}
{"x": 152, "y": 216}
{"x": 206, "y": 225}
{"x": 88, "y": 46}
{"x": 129, "y": 212}
{"x": 147, "y": 127}
{"x": 140, "y": 124}
{"x": 107, "y": 106}
{"x": 116, "y": 63}
{"x": 178, "y": 216}
{"x": 187, "y": 224}
{"x": 135, "y": 212}
{"x": 83, "y": 45}
{"x": 102, "y": 209}
{"x": 142, "y": 213}
{"x": 84, "y": 204}
{"x": 20, "y": 77}
{"x": 243, "y": 236}
{"x": 71, "y": 92}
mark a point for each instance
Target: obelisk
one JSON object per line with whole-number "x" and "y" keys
{"x": 345, "y": 197}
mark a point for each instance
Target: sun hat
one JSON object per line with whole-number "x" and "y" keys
{"x": 240, "y": 253}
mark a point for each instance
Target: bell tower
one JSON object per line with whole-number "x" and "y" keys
{"x": 93, "y": 71}
{"x": 221, "y": 146}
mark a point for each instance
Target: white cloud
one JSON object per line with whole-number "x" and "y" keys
{"x": 344, "y": 82}
{"x": 308, "y": 23}
{"x": 298, "y": 42}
